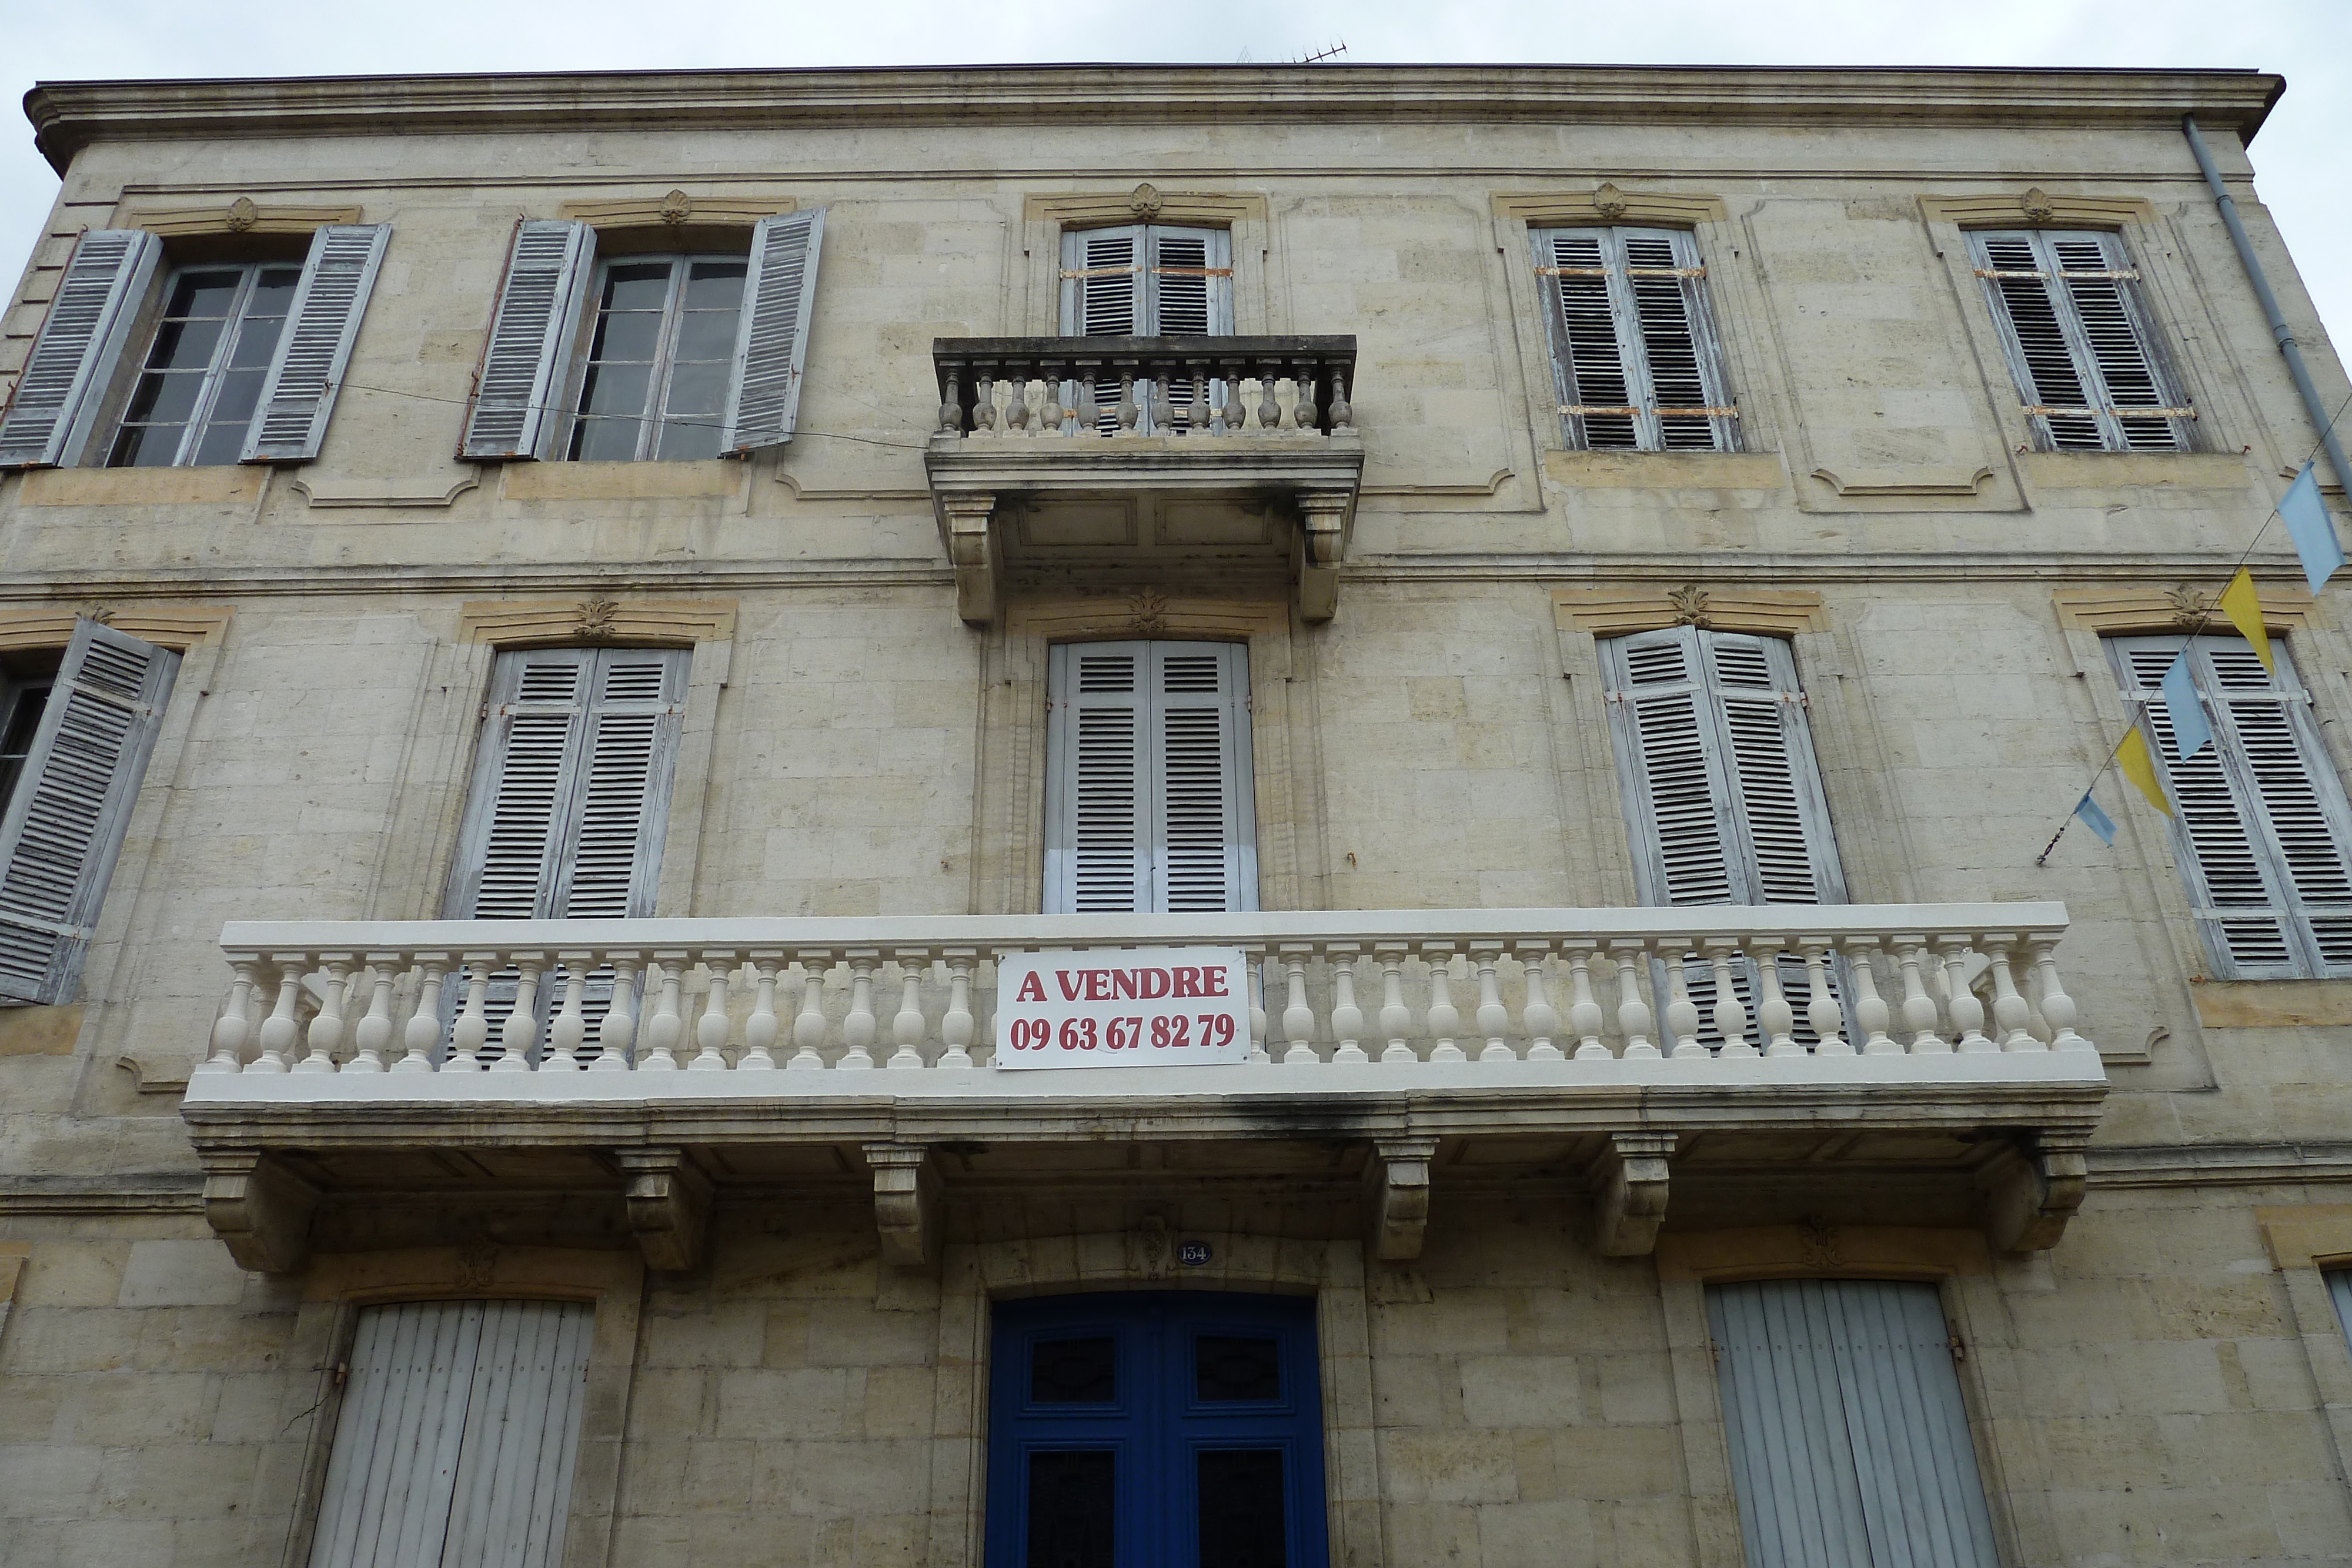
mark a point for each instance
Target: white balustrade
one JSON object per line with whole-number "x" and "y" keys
{"x": 1052, "y": 389}
{"x": 1721, "y": 981}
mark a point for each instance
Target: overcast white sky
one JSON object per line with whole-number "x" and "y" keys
{"x": 2299, "y": 159}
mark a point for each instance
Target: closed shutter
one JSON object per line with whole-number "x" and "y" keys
{"x": 57, "y": 397}
{"x": 2079, "y": 340}
{"x": 1848, "y": 1436}
{"x": 1189, "y": 291}
{"x": 457, "y": 1440}
{"x": 1146, "y": 280}
{"x": 771, "y": 350}
{"x": 72, "y": 803}
{"x": 1633, "y": 345}
{"x": 1149, "y": 791}
{"x": 2261, "y": 825}
{"x": 538, "y": 318}
{"x": 316, "y": 347}
{"x": 1103, "y": 287}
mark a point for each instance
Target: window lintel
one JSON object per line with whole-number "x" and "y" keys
{"x": 2034, "y": 209}
{"x": 1606, "y": 205}
{"x": 596, "y": 621}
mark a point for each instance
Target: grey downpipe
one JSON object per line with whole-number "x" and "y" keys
{"x": 2279, "y": 329}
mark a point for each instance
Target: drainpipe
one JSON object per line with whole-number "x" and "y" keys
{"x": 2279, "y": 329}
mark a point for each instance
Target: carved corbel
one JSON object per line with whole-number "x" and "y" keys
{"x": 1628, "y": 1188}
{"x": 906, "y": 1203}
{"x": 669, "y": 1205}
{"x": 259, "y": 1208}
{"x": 2032, "y": 1196}
{"x": 971, "y": 550}
{"x": 1323, "y": 519}
{"x": 1396, "y": 1195}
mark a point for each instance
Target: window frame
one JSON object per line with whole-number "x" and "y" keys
{"x": 584, "y": 363}
{"x": 1710, "y": 365}
{"x": 195, "y": 430}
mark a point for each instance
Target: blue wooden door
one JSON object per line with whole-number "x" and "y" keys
{"x": 1156, "y": 1430}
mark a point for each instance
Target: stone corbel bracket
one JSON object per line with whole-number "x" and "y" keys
{"x": 669, "y": 1200}
{"x": 1396, "y": 1197}
{"x": 971, "y": 550}
{"x": 259, "y": 1208}
{"x": 2029, "y": 1198}
{"x": 906, "y": 1203}
{"x": 1326, "y": 520}
{"x": 1629, "y": 1193}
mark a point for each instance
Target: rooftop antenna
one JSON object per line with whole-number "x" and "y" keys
{"x": 1317, "y": 56}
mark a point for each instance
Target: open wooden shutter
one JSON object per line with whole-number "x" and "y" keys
{"x": 458, "y": 1437}
{"x": 1633, "y": 345}
{"x": 1848, "y": 1435}
{"x": 1149, "y": 801}
{"x": 1103, "y": 286}
{"x": 72, "y": 804}
{"x": 628, "y": 754}
{"x": 537, "y": 319}
{"x": 1189, "y": 289}
{"x": 771, "y": 348}
{"x": 316, "y": 347}
{"x": 57, "y": 399}
{"x": 2261, "y": 825}
{"x": 2079, "y": 341}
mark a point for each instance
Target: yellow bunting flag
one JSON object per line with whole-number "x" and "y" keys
{"x": 2137, "y": 766}
{"x": 2244, "y": 609}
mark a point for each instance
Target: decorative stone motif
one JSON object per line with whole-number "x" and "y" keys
{"x": 2191, "y": 606}
{"x": 676, "y": 208}
{"x": 243, "y": 215}
{"x": 597, "y": 617}
{"x": 1609, "y": 200}
{"x": 2037, "y": 205}
{"x": 1148, "y": 612}
{"x": 1689, "y": 603}
{"x": 1144, "y": 201}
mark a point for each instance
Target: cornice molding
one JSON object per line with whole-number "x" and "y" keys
{"x": 1146, "y": 203}
{"x": 597, "y": 621}
{"x": 1615, "y": 611}
{"x": 67, "y": 117}
{"x": 2034, "y": 208}
{"x": 1146, "y": 614}
{"x": 1605, "y": 203}
{"x": 179, "y": 627}
{"x": 2110, "y": 609}
{"x": 678, "y": 210}
{"x": 242, "y": 216}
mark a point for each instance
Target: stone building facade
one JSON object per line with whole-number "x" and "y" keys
{"x": 605, "y": 615}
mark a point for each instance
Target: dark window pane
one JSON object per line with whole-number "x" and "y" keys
{"x": 628, "y": 335}
{"x": 17, "y": 741}
{"x": 1231, "y": 1368}
{"x": 690, "y": 443}
{"x": 165, "y": 397}
{"x": 204, "y": 294}
{"x": 695, "y": 391}
{"x": 183, "y": 345}
{"x": 708, "y": 335}
{"x": 257, "y": 340}
{"x": 1074, "y": 1371}
{"x": 1070, "y": 1501}
{"x": 715, "y": 286}
{"x": 595, "y": 440}
{"x": 144, "y": 446}
{"x": 1240, "y": 1509}
{"x": 223, "y": 441}
{"x": 640, "y": 285}
{"x": 239, "y": 390}
{"x": 616, "y": 388}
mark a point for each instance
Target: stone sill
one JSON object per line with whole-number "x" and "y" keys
{"x": 718, "y": 477}
{"x": 2272, "y": 1004}
{"x": 2110, "y": 470}
{"x": 1666, "y": 470}
{"x": 220, "y": 485}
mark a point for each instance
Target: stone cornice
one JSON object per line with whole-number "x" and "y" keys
{"x": 69, "y": 116}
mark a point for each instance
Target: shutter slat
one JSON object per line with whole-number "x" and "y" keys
{"x": 1596, "y": 370}
{"x": 2078, "y": 339}
{"x": 772, "y": 352}
{"x": 323, "y": 322}
{"x": 1631, "y": 331}
{"x": 55, "y": 400}
{"x": 523, "y": 360}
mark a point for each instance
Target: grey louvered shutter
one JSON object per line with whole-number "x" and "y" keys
{"x": 48, "y": 417}
{"x": 299, "y": 396}
{"x": 1634, "y": 353}
{"x": 1189, "y": 291}
{"x": 628, "y": 755}
{"x": 1848, "y": 1434}
{"x": 2261, "y": 825}
{"x": 538, "y": 318}
{"x": 1203, "y": 813}
{"x": 457, "y": 1439}
{"x": 2079, "y": 340}
{"x": 771, "y": 350}
{"x": 1103, "y": 286}
{"x": 72, "y": 804}
{"x": 1098, "y": 843}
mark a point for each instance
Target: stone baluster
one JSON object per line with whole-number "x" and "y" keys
{"x": 327, "y": 1023}
{"x": 2057, "y": 1007}
{"x": 1016, "y": 406}
{"x": 1586, "y": 1017}
{"x": 809, "y": 1025}
{"x": 951, "y": 405}
{"x": 1089, "y": 416}
{"x": 983, "y": 412}
{"x": 1731, "y": 1012}
{"x": 1297, "y": 1018}
{"x": 1051, "y": 413}
{"x": 761, "y": 1029}
{"x": 1304, "y": 414}
{"x": 422, "y": 1032}
{"x": 665, "y": 1014}
{"x": 1268, "y": 412}
{"x": 1258, "y": 1036}
{"x": 1539, "y": 1017}
{"x": 234, "y": 1026}
{"x": 278, "y": 1030}
{"x": 859, "y": 1025}
{"x": 620, "y": 1026}
{"x": 1635, "y": 1020}
{"x": 1968, "y": 1012}
{"x": 1444, "y": 1017}
{"x": 1682, "y": 1012}
{"x": 1871, "y": 1016}
{"x": 1773, "y": 1013}
{"x": 1235, "y": 414}
{"x": 1491, "y": 1018}
{"x": 1341, "y": 416}
{"x": 1128, "y": 410}
{"x": 956, "y": 1023}
{"x": 1347, "y": 1017}
{"x": 470, "y": 1036}
{"x": 1918, "y": 1007}
{"x": 1197, "y": 416}
{"x": 569, "y": 1031}
{"x": 907, "y": 1028}
{"x": 1396, "y": 1019}
{"x": 1821, "y": 1009}
{"x": 2010, "y": 1015}
{"x": 374, "y": 1032}
{"x": 519, "y": 1035}
{"x": 711, "y": 1030}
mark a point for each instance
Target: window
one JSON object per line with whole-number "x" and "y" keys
{"x": 458, "y": 1436}
{"x": 2261, "y": 828}
{"x": 1146, "y": 280}
{"x": 244, "y": 365}
{"x": 75, "y": 749}
{"x": 1634, "y": 347}
{"x": 2080, "y": 342}
{"x": 685, "y": 355}
{"x": 1849, "y": 1439}
{"x": 1148, "y": 803}
{"x": 1155, "y": 1429}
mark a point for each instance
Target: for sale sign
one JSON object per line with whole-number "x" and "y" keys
{"x": 1122, "y": 1006}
